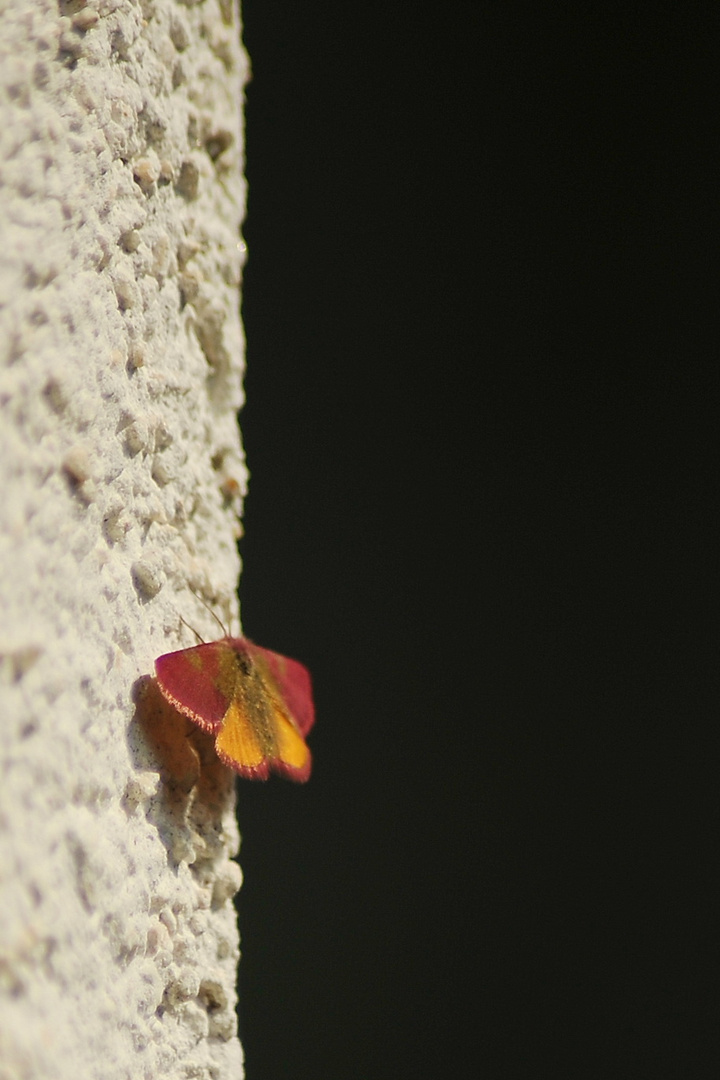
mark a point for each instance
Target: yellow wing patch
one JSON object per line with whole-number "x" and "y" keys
{"x": 238, "y": 740}
{"x": 291, "y": 747}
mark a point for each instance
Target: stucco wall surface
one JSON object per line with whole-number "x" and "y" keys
{"x": 121, "y": 475}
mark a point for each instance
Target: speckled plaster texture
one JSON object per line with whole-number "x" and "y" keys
{"x": 121, "y": 479}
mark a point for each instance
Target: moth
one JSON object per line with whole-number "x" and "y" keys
{"x": 257, "y": 703}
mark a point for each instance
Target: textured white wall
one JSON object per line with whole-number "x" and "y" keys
{"x": 121, "y": 475}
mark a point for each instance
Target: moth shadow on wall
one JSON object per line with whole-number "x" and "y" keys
{"x": 186, "y": 788}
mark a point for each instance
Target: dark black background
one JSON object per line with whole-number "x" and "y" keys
{"x": 481, "y": 425}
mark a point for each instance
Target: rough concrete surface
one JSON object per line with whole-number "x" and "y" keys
{"x": 121, "y": 475}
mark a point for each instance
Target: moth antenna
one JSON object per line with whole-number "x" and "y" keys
{"x": 193, "y": 630}
{"x": 205, "y": 604}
